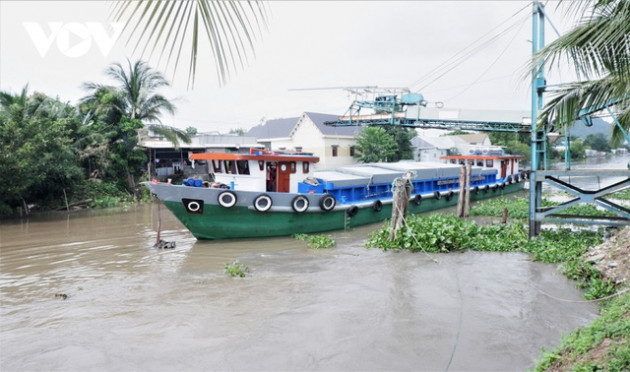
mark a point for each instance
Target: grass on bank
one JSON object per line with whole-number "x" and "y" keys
{"x": 602, "y": 346}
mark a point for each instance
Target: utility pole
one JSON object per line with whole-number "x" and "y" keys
{"x": 538, "y": 135}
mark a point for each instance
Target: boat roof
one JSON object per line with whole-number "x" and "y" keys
{"x": 258, "y": 155}
{"x": 481, "y": 157}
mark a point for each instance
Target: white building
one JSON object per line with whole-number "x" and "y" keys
{"x": 333, "y": 145}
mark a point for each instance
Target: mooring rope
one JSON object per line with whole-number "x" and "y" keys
{"x": 579, "y": 301}
{"x": 459, "y": 321}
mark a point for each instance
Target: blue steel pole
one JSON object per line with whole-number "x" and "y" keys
{"x": 537, "y": 138}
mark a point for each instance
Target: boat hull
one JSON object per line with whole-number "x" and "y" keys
{"x": 242, "y": 220}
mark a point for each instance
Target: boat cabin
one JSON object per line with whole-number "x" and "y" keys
{"x": 506, "y": 165}
{"x": 260, "y": 170}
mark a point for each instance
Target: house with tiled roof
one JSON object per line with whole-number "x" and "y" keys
{"x": 307, "y": 133}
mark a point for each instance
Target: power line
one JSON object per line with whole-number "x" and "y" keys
{"x": 469, "y": 50}
{"x": 452, "y": 65}
{"x": 489, "y": 66}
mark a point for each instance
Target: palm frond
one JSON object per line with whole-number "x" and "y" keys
{"x": 599, "y": 45}
{"x": 230, "y": 27}
{"x": 569, "y": 99}
{"x": 174, "y": 135}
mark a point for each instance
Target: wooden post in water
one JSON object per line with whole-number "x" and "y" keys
{"x": 462, "y": 186}
{"x": 66, "y": 199}
{"x": 402, "y": 192}
{"x": 159, "y": 228}
{"x": 467, "y": 191}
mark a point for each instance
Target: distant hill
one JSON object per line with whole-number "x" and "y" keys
{"x": 579, "y": 129}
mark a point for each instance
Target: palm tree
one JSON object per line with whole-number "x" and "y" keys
{"x": 228, "y": 25}
{"x": 599, "y": 49}
{"x": 134, "y": 97}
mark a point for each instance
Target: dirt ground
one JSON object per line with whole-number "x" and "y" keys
{"x": 612, "y": 257}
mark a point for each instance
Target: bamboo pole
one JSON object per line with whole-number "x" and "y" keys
{"x": 159, "y": 228}
{"x": 462, "y": 186}
{"x": 467, "y": 191}
{"x": 66, "y": 198}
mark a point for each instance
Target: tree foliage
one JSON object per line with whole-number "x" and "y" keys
{"x": 37, "y": 158}
{"x": 48, "y": 147}
{"x": 597, "y": 142}
{"x": 118, "y": 112}
{"x": 375, "y": 145}
{"x": 403, "y": 137}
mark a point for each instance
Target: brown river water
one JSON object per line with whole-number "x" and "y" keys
{"x": 131, "y": 307}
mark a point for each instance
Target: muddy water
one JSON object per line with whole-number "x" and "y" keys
{"x": 133, "y": 307}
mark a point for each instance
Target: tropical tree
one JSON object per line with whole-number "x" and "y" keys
{"x": 229, "y": 26}
{"x": 599, "y": 51}
{"x": 375, "y": 145}
{"x": 237, "y": 131}
{"x": 403, "y": 137}
{"x": 598, "y": 142}
{"x": 119, "y": 112}
{"x": 37, "y": 161}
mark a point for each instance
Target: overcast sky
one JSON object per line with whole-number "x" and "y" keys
{"x": 308, "y": 44}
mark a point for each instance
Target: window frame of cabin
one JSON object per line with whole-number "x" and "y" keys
{"x": 242, "y": 167}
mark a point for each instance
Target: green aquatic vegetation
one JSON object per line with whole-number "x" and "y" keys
{"x": 518, "y": 208}
{"x": 621, "y": 195}
{"x": 446, "y": 233}
{"x": 236, "y": 268}
{"x": 602, "y": 346}
{"x": 316, "y": 241}
{"x": 432, "y": 233}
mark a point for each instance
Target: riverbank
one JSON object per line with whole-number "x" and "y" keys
{"x": 605, "y": 344}
{"x": 89, "y": 194}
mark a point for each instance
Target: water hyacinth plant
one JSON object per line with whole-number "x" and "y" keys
{"x": 316, "y": 241}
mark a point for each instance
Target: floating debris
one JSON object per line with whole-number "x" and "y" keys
{"x": 62, "y": 296}
{"x": 164, "y": 245}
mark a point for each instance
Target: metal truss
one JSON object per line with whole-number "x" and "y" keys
{"x": 595, "y": 197}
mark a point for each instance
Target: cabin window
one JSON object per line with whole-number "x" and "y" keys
{"x": 489, "y": 163}
{"x": 351, "y": 150}
{"x": 305, "y": 167}
{"x": 293, "y": 167}
{"x": 229, "y": 167}
{"x": 480, "y": 163}
{"x": 298, "y": 148}
{"x": 261, "y": 165}
{"x": 242, "y": 166}
{"x": 216, "y": 165}
{"x": 335, "y": 151}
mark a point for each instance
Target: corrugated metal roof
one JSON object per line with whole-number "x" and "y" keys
{"x": 282, "y": 128}
{"x": 274, "y": 128}
{"x": 327, "y": 130}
